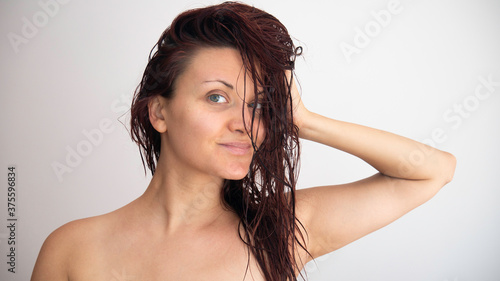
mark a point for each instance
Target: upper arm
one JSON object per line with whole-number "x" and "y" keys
{"x": 51, "y": 263}
{"x": 334, "y": 216}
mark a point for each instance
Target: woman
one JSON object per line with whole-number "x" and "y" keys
{"x": 218, "y": 119}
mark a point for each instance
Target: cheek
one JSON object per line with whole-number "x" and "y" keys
{"x": 203, "y": 127}
{"x": 261, "y": 133}
{"x": 189, "y": 128}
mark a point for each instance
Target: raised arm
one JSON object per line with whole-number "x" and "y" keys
{"x": 410, "y": 173}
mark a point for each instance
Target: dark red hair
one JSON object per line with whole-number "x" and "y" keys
{"x": 265, "y": 199}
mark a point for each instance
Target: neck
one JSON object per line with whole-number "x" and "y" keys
{"x": 180, "y": 200}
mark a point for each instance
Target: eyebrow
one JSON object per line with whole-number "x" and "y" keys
{"x": 220, "y": 81}
{"x": 229, "y": 85}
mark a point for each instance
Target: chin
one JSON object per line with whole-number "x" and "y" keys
{"x": 235, "y": 171}
{"x": 236, "y": 174}
{"x": 236, "y": 177}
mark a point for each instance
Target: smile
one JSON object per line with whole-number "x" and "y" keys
{"x": 237, "y": 148}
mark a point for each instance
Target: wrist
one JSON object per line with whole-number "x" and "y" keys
{"x": 307, "y": 124}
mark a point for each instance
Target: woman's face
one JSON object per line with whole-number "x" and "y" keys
{"x": 206, "y": 133}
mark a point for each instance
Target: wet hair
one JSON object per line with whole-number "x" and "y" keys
{"x": 265, "y": 199}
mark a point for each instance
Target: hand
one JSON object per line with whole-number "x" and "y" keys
{"x": 300, "y": 112}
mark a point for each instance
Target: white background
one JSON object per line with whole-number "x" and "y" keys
{"x": 77, "y": 67}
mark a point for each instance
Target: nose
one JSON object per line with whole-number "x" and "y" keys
{"x": 241, "y": 118}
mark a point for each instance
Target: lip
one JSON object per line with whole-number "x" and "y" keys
{"x": 237, "y": 148}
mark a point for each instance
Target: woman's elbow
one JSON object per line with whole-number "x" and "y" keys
{"x": 449, "y": 164}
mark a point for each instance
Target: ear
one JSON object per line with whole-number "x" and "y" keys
{"x": 156, "y": 108}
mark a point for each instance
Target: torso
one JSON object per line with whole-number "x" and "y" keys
{"x": 115, "y": 247}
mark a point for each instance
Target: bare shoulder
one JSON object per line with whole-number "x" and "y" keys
{"x": 64, "y": 244}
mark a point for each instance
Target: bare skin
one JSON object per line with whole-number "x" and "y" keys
{"x": 179, "y": 230}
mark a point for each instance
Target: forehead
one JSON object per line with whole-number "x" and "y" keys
{"x": 215, "y": 61}
{"x": 217, "y": 64}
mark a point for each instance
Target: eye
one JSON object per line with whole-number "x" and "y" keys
{"x": 258, "y": 102}
{"x": 257, "y": 105}
{"x": 217, "y": 98}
